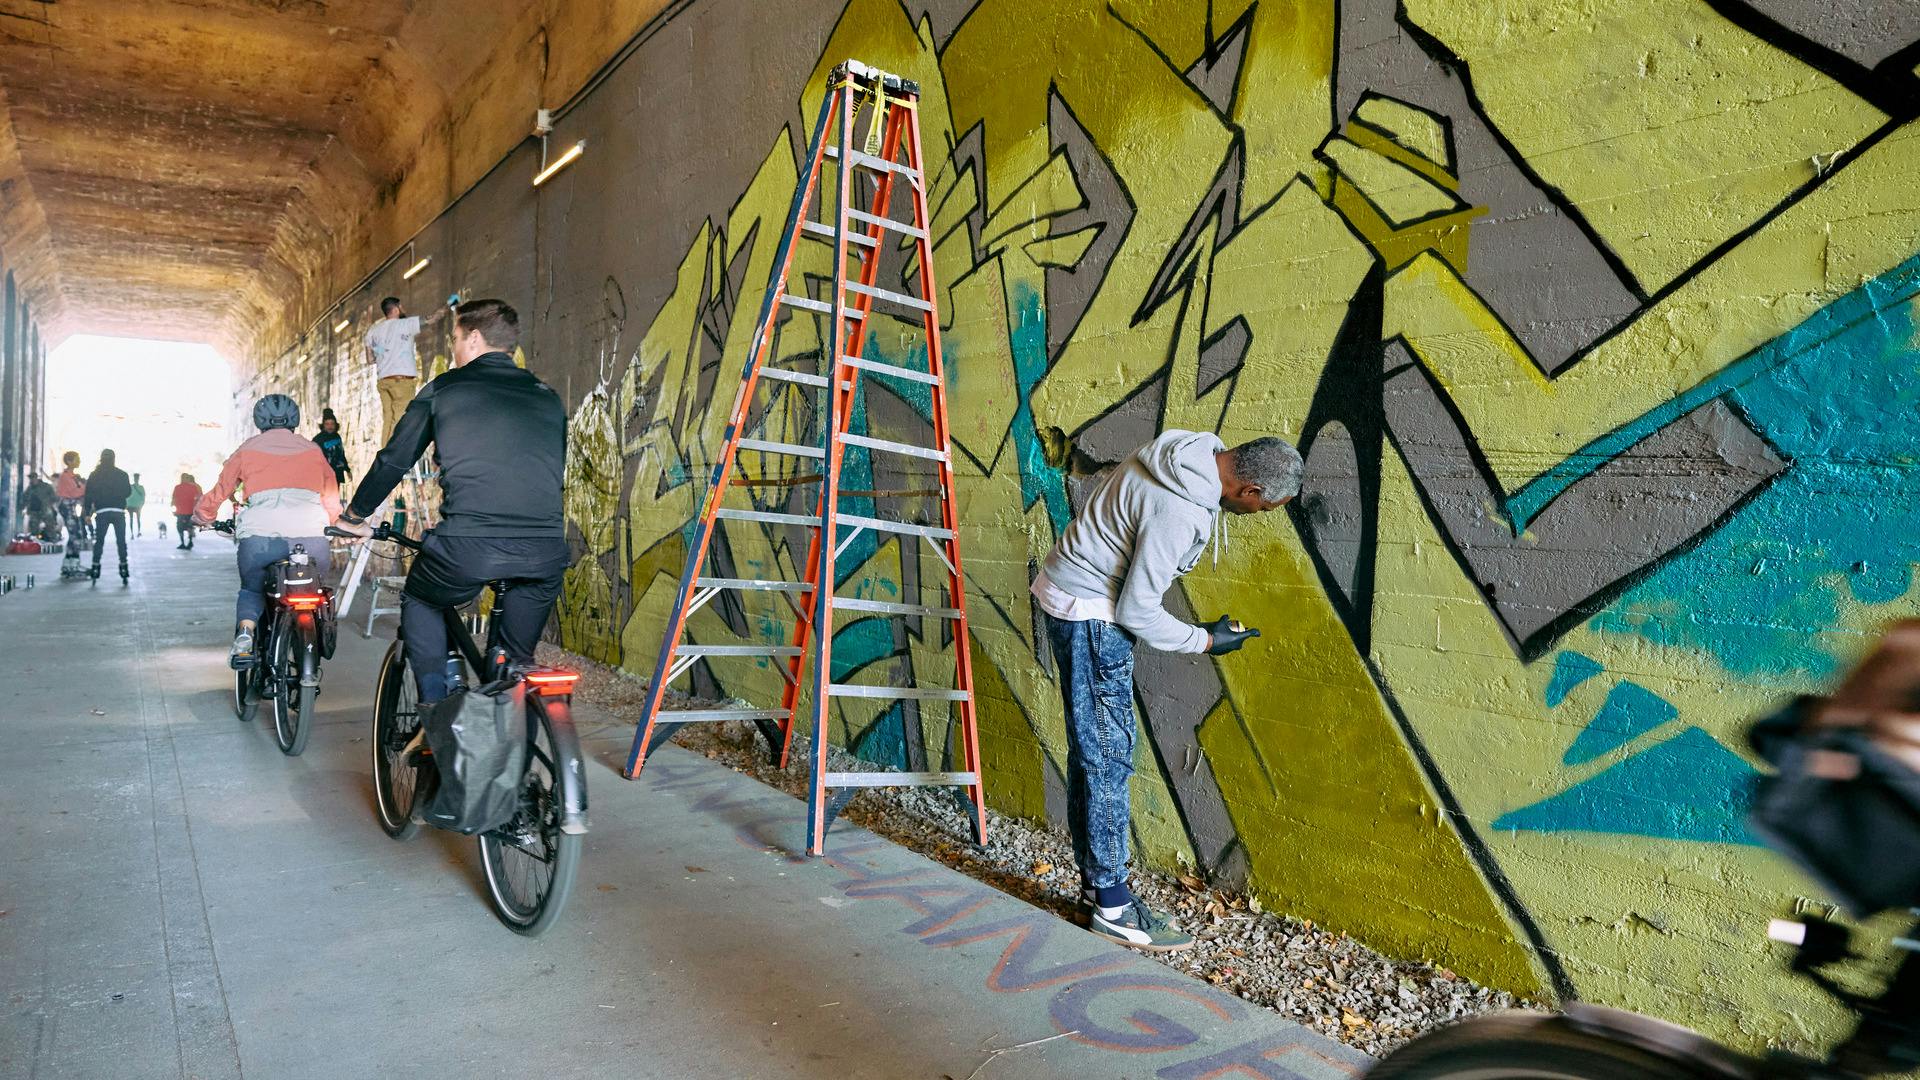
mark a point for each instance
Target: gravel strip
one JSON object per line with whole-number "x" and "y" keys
{"x": 1322, "y": 980}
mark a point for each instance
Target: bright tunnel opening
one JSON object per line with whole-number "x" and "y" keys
{"x": 161, "y": 407}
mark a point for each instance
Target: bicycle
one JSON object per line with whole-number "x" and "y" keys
{"x": 296, "y": 630}
{"x": 531, "y": 861}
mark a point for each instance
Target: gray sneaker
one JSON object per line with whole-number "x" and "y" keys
{"x": 242, "y": 654}
{"x": 1139, "y": 927}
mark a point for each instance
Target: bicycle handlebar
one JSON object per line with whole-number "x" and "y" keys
{"x": 383, "y": 531}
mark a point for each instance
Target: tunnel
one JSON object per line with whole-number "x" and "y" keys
{"x": 1253, "y": 646}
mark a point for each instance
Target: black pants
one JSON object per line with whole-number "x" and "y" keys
{"x": 452, "y": 570}
{"x": 183, "y": 524}
{"x": 102, "y": 521}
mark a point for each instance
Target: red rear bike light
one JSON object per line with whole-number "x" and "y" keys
{"x": 306, "y": 603}
{"x": 552, "y": 682}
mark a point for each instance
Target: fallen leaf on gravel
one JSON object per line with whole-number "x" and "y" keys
{"x": 1192, "y": 883}
{"x": 1348, "y": 1018}
{"x": 1042, "y": 869}
{"x": 1253, "y": 904}
{"x": 1217, "y": 909}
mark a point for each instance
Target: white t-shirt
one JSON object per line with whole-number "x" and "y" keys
{"x": 391, "y": 341}
{"x": 1067, "y": 607}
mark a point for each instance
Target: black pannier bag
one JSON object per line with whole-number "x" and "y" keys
{"x": 327, "y": 622}
{"x": 479, "y": 743}
{"x": 1845, "y": 804}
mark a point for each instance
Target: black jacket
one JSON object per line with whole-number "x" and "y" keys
{"x": 334, "y": 448}
{"x": 107, "y": 489}
{"x": 499, "y": 437}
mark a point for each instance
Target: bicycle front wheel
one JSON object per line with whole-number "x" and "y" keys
{"x": 530, "y": 864}
{"x": 396, "y": 716}
{"x": 293, "y": 705}
{"x": 1529, "y": 1046}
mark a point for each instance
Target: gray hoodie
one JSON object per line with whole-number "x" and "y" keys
{"x": 1145, "y": 525}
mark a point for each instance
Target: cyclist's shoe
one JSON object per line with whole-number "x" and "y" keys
{"x": 1138, "y": 926}
{"x": 242, "y": 654}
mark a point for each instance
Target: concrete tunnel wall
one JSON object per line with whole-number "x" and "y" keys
{"x": 23, "y": 391}
{"x": 1595, "y": 323}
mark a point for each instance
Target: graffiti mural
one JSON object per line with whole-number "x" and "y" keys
{"x": 1595, "y": 324}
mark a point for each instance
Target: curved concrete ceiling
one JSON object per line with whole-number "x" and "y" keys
{"x": 167, "y": 165}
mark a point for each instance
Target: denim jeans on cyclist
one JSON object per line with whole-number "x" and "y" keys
{"x": 1095, "y": 661}
{"x": 259, "y": 552}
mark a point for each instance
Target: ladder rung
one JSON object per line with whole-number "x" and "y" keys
{"x": 919, "y": 693}
{"x": 886, "y": 607}
{"x": 685, "y": 716}
{"x": 769, "y": 517}
{"x": 879, "y": 368}
{"x": 865, "y": 218}
{"x": 825, "y": 232}
{"x": 889, "y": 296}
{"x": 868, "y": 161}
{"x": 901, "y": 779}
{"x": 820, "y": 306}
{"x": 805, "y": 378}
{"x": 738, "y": 650}
{"x": 795, "y": 449}
{"x": 767, "y": 584}
{"x": 890, "y": 447}
{"x": 883, "y": 525}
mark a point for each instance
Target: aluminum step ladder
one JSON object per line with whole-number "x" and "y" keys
{"x": 860, "y": 229}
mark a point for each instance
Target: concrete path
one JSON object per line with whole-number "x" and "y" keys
{"x": 177, "y": 899}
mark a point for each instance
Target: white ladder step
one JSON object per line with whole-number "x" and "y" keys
{"x": 901, "y": 779}
{"x": 821, "y": 306}
{"x": 889, "y": 296}
{"x": 865, "y": 218}
{"x": 769, "y": 517}
{"x": 804, "y": 378}
{"x": 890, "y": 447}
{"x": 886, "y": 607}
{"x": 878, "y": 164}
{"x": 768, "y": 584}
{"x": 918, "y": 693}
{"x": 883, "y": 525}
{"x": 879, "y": 368}
{"x": 825, "y": 232}
{"x": 794, "y": 449}
{"x": 689, "y": 716}
{"x": 738, "y": 650}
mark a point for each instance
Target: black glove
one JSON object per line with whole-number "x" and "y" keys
{"x": 1228, "y": 635}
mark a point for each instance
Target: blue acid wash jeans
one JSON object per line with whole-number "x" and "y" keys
{"x": 1095, "y": 662}
{"x": 259, "y": 552}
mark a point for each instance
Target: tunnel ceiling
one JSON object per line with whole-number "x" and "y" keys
{"x": 162, "y": 161}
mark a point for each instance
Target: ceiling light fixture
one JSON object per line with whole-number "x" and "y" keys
{"x": 559, "y": 163}
{"x": 341, "y": 325}
{"x": 416, "y": 268}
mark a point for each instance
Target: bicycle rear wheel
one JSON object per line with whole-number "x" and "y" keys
{"x": 530, "y": 864}
{"x": 1530, "y": 1046}
{"x": 396, "y": 716}
{"x": 293, "y": 704}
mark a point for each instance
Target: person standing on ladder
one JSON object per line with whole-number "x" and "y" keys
{"x": 500, "y": 439}
{"x": 390, "y": 347}
{"x": 1101, "y": 589}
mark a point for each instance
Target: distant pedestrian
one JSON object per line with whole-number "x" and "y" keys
{"x": 333, "y": 445}
{"x": 136, "y": 498}
{"x": 106, "y": 503}
{"x": 42, "y": 507}
{"x": 390, "y": 347}
{"x": 185, "y": 494}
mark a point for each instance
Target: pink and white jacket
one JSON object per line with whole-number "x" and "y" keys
{"x": 289, "y": 488}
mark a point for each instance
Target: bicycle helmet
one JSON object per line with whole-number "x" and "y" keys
{"x": 276, "y": 410}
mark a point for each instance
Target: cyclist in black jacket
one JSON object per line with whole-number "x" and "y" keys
{"x": 500, "y": 441}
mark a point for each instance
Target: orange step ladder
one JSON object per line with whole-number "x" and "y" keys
{"x": 860, "y": 229}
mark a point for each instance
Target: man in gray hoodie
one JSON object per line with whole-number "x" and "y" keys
{"x": 1101, "y": 589}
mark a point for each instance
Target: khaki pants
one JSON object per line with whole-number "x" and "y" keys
{"x": 395, "y": 392}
